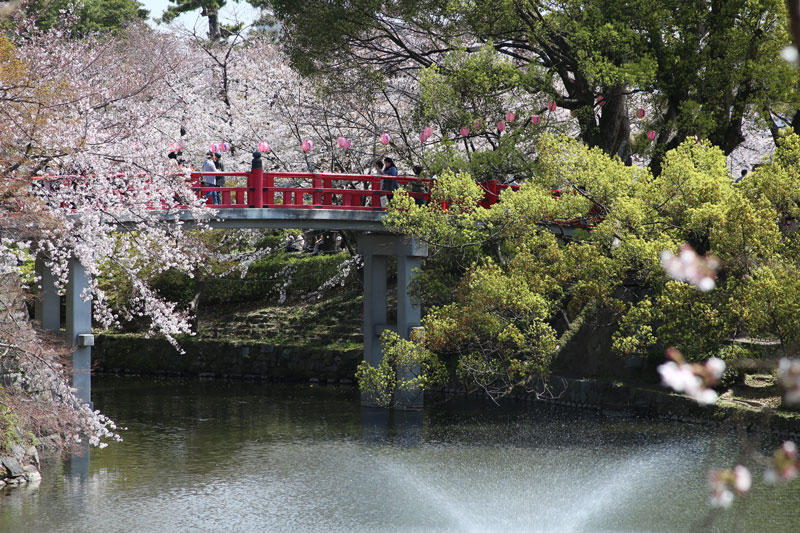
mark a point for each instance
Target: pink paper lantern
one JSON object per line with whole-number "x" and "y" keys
{"x": 347, "y": 146}
{"x": 535, "y": 119}
{"x": 342, "y": 142}
{"x": 224, "y": 147}
{"x": 385, "y": 139}
{"x": 551, "y": 105}
{"x": 428, "y": 132}
{"x": 307, "y": 145}
{"x": 422, "y": 137}
{"x": 640, "y": 113}
{"x": 500, "y": 126}
{"x": 263, "y": 147}
{"x": 651, "y": 135}
{"x": 214, "y": 148}
{"x": 510, "y": 116}
{"x": 464, "y": 131}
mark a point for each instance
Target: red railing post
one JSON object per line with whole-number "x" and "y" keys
{"x": 327, "y": 198}
{"x": 255, "y": 191}
{"x": 491, "y": 186}
{"x": 376, "y": 196}
{"x": 269, "y": 185}
{"x": 316, "y": 181}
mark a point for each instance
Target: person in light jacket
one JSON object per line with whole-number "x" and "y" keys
{"x": 211, "y": 181}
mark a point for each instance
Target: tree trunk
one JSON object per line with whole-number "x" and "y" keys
{"x": 612, "y": 129}
{"x": 213, "y": 23}
{"x": 615, "y": 126}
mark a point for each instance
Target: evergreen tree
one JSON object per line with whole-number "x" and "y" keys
{"x": 208, "y": 8}
{"x": 703, "y": 67}
{"x": 102, "y": 16}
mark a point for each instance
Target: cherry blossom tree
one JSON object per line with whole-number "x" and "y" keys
{"x": 84, "y": 135}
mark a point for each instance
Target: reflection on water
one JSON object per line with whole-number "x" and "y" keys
{"x": 210, "y": 456}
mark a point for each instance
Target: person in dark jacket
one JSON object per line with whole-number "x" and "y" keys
{"x": 418, "y": 186}
{"x": 220, "y": 168}
{"x": 389, "y": 169}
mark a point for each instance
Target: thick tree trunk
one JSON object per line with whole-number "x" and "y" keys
{"x": 615, "y": 127}
{"x": 213, "y": 24}
{"x": 612, "y": 129}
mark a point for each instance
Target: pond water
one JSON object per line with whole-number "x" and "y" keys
{"x": 226, "y": 456}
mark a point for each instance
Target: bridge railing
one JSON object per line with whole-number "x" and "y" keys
{"x": 307, "y": 190}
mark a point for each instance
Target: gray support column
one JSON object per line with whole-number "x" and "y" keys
{"x": 374, "y": 306}
{"x": 48, "y": 305}
{"x": 79, "y": 330}
{"x": 409, "y": 314}
{"x": 374, "y": 248}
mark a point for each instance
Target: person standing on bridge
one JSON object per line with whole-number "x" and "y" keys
{"x": 211, "y": 181}
{"x": 418, "y": 187}
{"x": 389, "y": 169}
{"x": 220, "y": 168}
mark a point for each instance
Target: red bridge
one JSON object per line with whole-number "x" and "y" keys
{"x": 332, "y": 202}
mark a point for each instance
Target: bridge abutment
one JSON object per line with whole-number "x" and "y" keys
{"x": 375, "y": 248}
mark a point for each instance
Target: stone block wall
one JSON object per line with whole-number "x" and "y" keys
{"x": 134, "y": 354}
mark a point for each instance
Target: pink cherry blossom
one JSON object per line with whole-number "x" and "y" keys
{"x": 723, "y": 483}
{"x": 789, "y": 378}
{"x": 690, "y": 267}
{"x": 694, "y": 380}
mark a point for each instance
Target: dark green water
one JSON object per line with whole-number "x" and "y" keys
{"x": 212, "y": 456}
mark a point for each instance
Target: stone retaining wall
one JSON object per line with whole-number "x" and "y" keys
{"x": 132, "y": 354}
{"x": 251, "y": 360}
{"x": 617, "y": 399}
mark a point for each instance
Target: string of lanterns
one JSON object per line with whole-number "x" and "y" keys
{"x": 477, "y": 125}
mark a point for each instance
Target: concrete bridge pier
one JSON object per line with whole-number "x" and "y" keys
{"x": 48, "y": 305}
{"x": 374, "y": 248}
{"x": 78, "y": 321}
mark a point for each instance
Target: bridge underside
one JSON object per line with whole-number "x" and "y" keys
{"x": 313, "y": 219}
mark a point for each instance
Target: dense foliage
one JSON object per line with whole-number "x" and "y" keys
{"x": 518, "y": 302}
{"x": 91, "y": 16}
